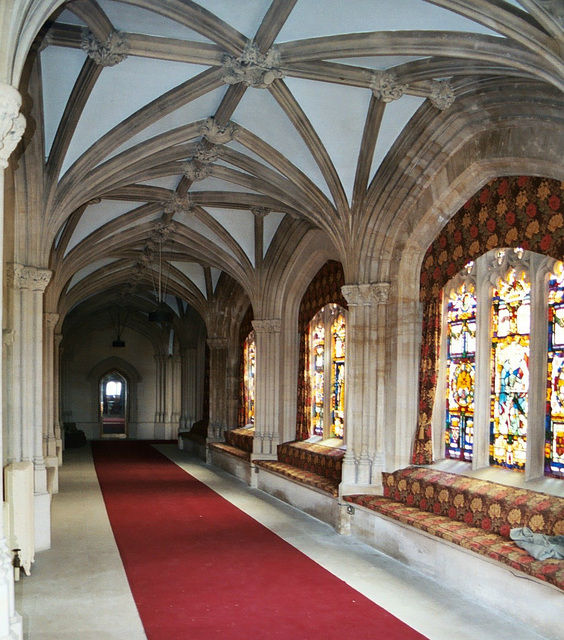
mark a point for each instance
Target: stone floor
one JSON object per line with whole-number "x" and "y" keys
{"x": 78, "y": 590}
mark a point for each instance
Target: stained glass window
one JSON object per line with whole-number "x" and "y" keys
{"x": 461, "y": 350}
{"x": 249, "y": 360}
{"x": 327, "y": 348}
{"x": 510, "y": 375}
{"x": 338, "y": 376}
{"x": 554, "y": 441}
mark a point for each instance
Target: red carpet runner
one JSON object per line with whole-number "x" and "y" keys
{"x": 199, "y": 568}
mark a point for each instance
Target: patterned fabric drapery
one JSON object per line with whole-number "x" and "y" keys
{"x": 509, "y": 212}
{"x": 323, "y": 289}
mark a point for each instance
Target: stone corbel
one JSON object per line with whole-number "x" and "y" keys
{"x": 22, "y": 277}
{"x": 374, "y": 293}
{"x": 267, "y": 326}
{"x": 12, "y": 122}
{"x": 217, "y": 343}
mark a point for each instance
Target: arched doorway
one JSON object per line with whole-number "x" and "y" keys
{"x": 113, "y": 405}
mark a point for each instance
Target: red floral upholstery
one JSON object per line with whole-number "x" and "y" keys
{"x": 475, "y": 514}
{"x": 315, "y": 458}
{"x": 303, "y": 476}
{"x": 240, "y": 438}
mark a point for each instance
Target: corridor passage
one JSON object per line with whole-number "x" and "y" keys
{"x": 79, "y": 591}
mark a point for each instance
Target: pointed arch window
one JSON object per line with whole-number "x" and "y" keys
{"x": 503, "y": 364}
{"x": 327, "y": 335}
{"x": 249, "y": 372}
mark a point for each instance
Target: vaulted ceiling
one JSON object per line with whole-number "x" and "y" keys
{"x": 202, "y": 134}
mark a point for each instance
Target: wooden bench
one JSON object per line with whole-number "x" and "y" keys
{"x": 194, "y": 440}
{"x": 474, "y": 514}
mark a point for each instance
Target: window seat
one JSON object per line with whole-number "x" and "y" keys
{"x": 474, "y": 514}
{"x": 194, "y": 440}
{"x": 238, "y": 443}
{"x": 312, "y": 464}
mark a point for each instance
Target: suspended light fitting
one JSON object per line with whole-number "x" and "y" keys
{"x": 162, "y": 313}
{"x": 119, "y": 326}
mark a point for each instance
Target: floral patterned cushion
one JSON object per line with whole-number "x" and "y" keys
{"x": 303, "y": 476}
{"x": 491, "y": 545}
{"x": 316, "y": 458}
{"x": 233, "y": 451}
{"x": 486, "y": 505}
{"x": 240, "y": 438}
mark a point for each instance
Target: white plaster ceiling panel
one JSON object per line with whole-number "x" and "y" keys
{"x": 378, "y": 62}
{"x": 215, "y": 274}
{"x": 194, "y": 272}
{"x": 138, "y": 82}
{"x": 259, "y": 112}
{"x": 241, "y": 226}
{"x": 396, "y": 114}
{"x": 152, "y": 217}
{"x": 271, "y": 223}
{"x": 166, "y": 182}
{"x": 136, "y": 20}
{"x": 216, "y": 184}
{"x": 308, "y": 20}
{"x": 191, "y": 222}
{"x": 60, "y": 68}
{"x": 245, "y": 15}
{"x": 337, "y": 113}
{"x": 97, "y": 215}
{"x": 91, "y": 268}
{"x": 195, "y": 110}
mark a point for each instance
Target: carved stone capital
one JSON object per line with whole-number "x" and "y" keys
{"x": 252, "y": 68}
{"x": 442, "y": 94}
{"x": 179, "y": 204}
{"x": 106, "y": 54}
{"x": 8, "y": 336}
{"x": 12, "y": 122}
{"x": 195, "y": 172}
{"x": 217, "y": 343}
{"x": 260, "y": 212}
{"x": 366, "y": 294}
{"x": 22, "y": 277}
{"x": 267, "y": 326}
{"x": 51, "y": 320}
{"x": 384, "y": 86}
{"x": 216, "y": 134}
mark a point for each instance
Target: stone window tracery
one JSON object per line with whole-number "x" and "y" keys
{"x": 502, "y": 364}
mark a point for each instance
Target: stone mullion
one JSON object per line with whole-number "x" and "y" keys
{"x": 56, "y": 395}
{"x": 188, "y": 388}
{"x": 49, "y": 372}
{"x": 267, "y": 391}
{"x": 218, "y": 372}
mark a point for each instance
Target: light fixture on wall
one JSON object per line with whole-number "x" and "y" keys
{"x": 119, "y": 326}
{"x": 162, "y": 313}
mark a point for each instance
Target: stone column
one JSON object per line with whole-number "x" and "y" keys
{"x": 50, "y": 321}
{"x": 160, "y": 372}
{"x": 12, "y": 125}
{"x": 66, "y": 385}
{"x": 172, "y": 397}
{"x": 267, "y": 388}
{"x": 26, "y": 285}
{"x": 57, "y": 405}
{"x": 188, "y": 388}
{"x": 49, "y": 403}
{"x": 218, "y": 373}
{"x": 365, "y": 386}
